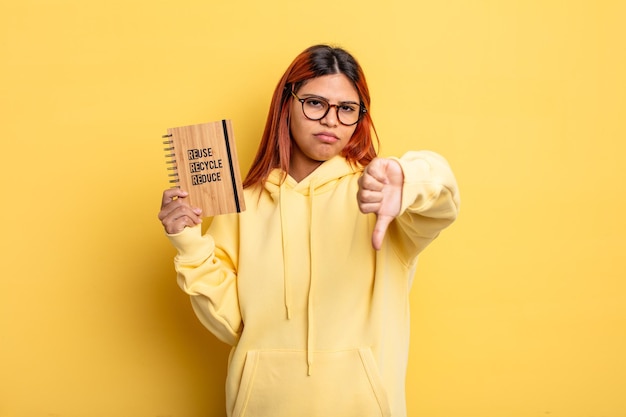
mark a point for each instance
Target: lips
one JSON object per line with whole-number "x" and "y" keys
{"x": 326, "y": 137}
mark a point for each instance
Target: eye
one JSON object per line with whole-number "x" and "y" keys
{"x": 315, "y": 103}
{"x": 349, "y": 108}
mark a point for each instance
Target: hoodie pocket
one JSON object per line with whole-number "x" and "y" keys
{"x": 342, "y": 383}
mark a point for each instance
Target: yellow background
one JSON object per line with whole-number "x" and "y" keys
{"x": 518, "y": 310}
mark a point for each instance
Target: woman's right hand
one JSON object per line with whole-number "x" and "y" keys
{"x": 176, "y": 213}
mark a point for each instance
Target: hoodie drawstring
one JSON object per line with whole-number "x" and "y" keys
{"x": 309, "y": 332}
{"x": 287, "y": 288}
{"x": 287, "y": 274}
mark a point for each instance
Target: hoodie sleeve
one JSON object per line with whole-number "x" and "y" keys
{"x": 208, "y": 275}
{"x": 430, "y": 202}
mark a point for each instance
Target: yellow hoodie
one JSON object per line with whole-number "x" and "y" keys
{"x": 318, "y": 320}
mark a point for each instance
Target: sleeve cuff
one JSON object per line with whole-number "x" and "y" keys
{"x": 191, "y": 244}
{"x": 426, "y": 176}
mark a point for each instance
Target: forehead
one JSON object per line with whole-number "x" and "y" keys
{"x": 334, "y": 87}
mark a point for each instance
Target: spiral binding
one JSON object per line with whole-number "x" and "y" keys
{"x": 174, "y": 175}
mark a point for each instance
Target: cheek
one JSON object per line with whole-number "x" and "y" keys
{"x": 298, "y": 124}
{"x": 350, "y": 131}
{"x": 295, "y": 127}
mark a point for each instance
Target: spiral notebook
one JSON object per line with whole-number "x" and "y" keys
{"x": 203, "y": 162}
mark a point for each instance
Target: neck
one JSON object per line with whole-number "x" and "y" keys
{"x": 299, "y": 171}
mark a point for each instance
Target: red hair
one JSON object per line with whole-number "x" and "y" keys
{"x": 275, "y": 148}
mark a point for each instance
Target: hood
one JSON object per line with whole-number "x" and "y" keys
{"x": 324, "y": 177}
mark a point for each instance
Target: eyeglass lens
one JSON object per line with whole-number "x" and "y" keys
{"x": 316, "y": 108}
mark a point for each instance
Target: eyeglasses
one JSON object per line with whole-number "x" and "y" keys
{"x": 316, "y": 108}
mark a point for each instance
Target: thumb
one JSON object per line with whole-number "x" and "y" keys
{"x": 380, "y": 229}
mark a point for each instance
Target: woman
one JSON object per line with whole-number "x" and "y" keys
{"x": 310, "y": 285}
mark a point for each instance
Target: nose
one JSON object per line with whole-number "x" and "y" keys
{"x": 331, "y": 118}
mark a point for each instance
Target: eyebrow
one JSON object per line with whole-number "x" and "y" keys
{"x": 310, "y": 95}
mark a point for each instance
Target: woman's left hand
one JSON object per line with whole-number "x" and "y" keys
{"x": 380, "y": 192}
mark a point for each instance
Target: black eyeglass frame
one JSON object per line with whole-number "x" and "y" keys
{"x": 362, "y": 109}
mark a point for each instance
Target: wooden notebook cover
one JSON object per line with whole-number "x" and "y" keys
{"x": 204, "y": 162}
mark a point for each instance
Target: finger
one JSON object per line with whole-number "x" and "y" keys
{"x": 171, "y": 194}
{"x": 369, "y": 182}
{"x": 378, "y": 169}
{"x": 380, "y": 229}
{"x": 171, "y": 207}
{"x": 366, "y": 208}
{"x": 176, "y": 221}
{"x": 179, "y": 225}
{"x": 172, "y": 200}
{"x": 176, "y": 210}
{"x": 367, "y": 196}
